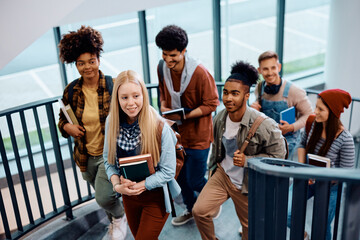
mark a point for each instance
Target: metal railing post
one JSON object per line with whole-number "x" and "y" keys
{"x": 59, "y": 160}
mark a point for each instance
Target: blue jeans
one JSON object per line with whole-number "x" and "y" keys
{"x": 192, "y": 176}
{"x": 292, "y": 140}
{"x": 310, "y": 193}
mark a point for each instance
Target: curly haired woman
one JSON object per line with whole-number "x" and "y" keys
{"x": 89, "y": 97}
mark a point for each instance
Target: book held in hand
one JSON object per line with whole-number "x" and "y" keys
{"x": 180, "y": 111}
{"x": 318, "y": 161}
{"x": 136, "y": 168}
{"x": 68, "y": 112}
{"x": 288, "y": 115}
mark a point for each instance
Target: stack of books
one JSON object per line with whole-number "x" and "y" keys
{"x": 136, "y": 168}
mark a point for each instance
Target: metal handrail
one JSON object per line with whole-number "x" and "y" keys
{"x": 269, "y": 181}
{"x": 285, "y": 168}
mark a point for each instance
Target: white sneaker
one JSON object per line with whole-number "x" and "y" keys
{"x": 217, "y": 215}
{"x": 109, "y": 232}
{"x": 119, "y": 228}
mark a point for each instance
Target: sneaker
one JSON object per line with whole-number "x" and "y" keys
{"x": 240, "y": 231}
{"x": 119, "y": 228}
{"x": 109, "y": 232}
{"x": 184, "y": 218}
{"x": 217, "y": 215}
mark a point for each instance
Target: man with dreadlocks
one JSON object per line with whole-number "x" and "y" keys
{"x": 89, "y": 97}
{"x": 231, "y": 127}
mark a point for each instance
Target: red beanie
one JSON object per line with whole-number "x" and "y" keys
{"x": 336, "y": 99}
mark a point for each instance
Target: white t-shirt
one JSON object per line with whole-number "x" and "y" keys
{"x": 230, "y": 143}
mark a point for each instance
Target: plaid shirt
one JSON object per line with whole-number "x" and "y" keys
{"x": 78, "y": 103}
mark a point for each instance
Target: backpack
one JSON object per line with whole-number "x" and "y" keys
{"x": 180, "y": 152}
{"x": 109, "y": 87}
{"x": 259, "y": 86}
{"x": 309, "y": 122}
{"x": 161, "y": 72}
{"x": 251, "y": 133}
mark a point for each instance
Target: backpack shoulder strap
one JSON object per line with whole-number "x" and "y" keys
{"x": 251, "y": 132}
{"x": 259, "y": 90}
{"x": 161, "y": 71}
{"x": 109, "y": 84}
{"x": 309, "y": 122}
{"x": 71, "y": 92}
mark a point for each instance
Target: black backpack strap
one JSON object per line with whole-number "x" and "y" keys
{"x": 260, "y": 92}
{"x": 161, "y": 71}
{"x": 109, "y": 84}
{"x": 71, "y": 92}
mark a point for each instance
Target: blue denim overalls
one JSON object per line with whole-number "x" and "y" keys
{"x": 273, "y": 108}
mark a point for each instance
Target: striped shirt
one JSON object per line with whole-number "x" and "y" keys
{"x": 341, "y": 151}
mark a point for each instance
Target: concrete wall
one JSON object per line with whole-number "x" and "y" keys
{"x": 343, "y": 51}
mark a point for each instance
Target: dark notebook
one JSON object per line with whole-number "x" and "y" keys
{"x": 179, "y": 111}
{"x": 136, "y": 168}
{"x": 318, "y": 161}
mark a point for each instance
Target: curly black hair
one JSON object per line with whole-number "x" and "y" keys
{"x": 172, "y": 37}
{"x": 245, "y": 73}
{"x": 84, "y": 40}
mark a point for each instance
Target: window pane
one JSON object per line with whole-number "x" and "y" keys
{"x": 248, "y": 28}
{"x": 121, "y": 44}
{"x": 306, "y": 27}
{"x": 195, "y": 17}
{"x": 32, "y": 75}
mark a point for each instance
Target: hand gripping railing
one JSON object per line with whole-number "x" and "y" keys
{"x": 268, "y": 200}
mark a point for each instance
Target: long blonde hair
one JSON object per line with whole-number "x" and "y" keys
{"x": 148, "y": 118}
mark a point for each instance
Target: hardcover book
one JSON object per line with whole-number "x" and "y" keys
{"x": 136, "y": 168}
{"x": 318, "y": 161}
{"x": 288, "y": 115}
{"x": 68, "y": 112}
{"x": 179, "y": 111}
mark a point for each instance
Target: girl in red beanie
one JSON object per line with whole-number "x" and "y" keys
{"x": 328, "y": 137}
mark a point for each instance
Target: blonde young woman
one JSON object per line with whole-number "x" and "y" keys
{"x": 131, "y": 129}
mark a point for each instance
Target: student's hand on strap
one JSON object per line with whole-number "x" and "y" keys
{"x": 76, "y": 131}
{"x": 285, "y": 127}
{"x": 256, "y": 105}
{"x": 126, "y": 187}
{"x": 239, "y": 158}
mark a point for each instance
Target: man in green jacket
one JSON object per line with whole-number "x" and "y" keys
{"x": 231, "y": 127}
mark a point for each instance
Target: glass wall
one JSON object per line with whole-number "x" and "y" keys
{"x": 246, "y": 31}
{"x": 32, "y": 75}
{"x": 305, "y": 35}
{"x": 248, "y": 28}
{"x": 195, "y": 17}
{"x": 121, "y": 44}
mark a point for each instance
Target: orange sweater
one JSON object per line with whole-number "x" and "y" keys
{"x": 196, "y": 133}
